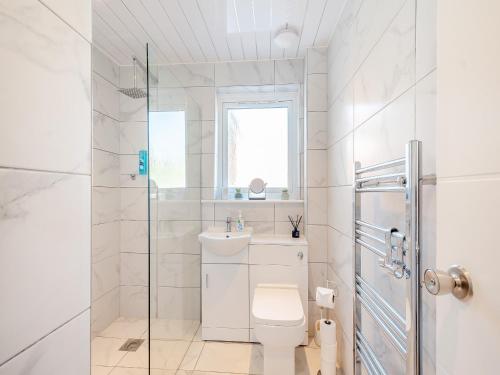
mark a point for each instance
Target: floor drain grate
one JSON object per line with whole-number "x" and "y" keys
{"x": 131, "y": 345}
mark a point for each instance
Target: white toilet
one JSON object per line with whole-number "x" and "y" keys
{"x": 279, "y": 325}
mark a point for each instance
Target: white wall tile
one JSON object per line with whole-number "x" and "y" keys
{"x": 316, "y": 168}
{"x": 129, "y": 164}
{"x": 179, "y": 270}
{"x": 179, "y": 237}
{"x": 42, "y": 222}
{"x": 392, "y": 61}
{"x": 317, "y": 60}
{"x": 283, "y": 210}
{"x": 105, "y": 135}
{"x": 105, "y": 276}
{"x": 340, "y": 208}
{"x": 426, "y": 37}
{"x": 64, "y": 351}
{"x": 134, "y": 236}
{"x": 284, "y": 227}
{"x": 77, "y": 13}
{"x": 105, "y": 67}
{"x": 203, "y": 98}
{"x": 244, "y": 73}
{"x": 133, "y": 137}
{"x": 317, "y": 92}
{"x": 105, "y": 97}
{"x": 179, "y": 209}
{"x": 317, "y": 238}
{"x": 317, "y": 205}
{"x": 186, "y": 75}
{"x": 259, "y": 227}
{"x": 134, "y": 301}
{"x": 132, "y": 109}
{"x": 105, "y": 169}
{"x": 193, "y": 137}
{"x": 340, "y": 255}
{"x": 384, "y": 136}
{"x": 340, "y": 116}
{"x": 340, "y": 162}
{"x": 317, "y": 130}
{"x": 208, "y": 137}
{"x": 194, "y": 170}
{"x": 343, "y": 311}
{"x": 134, "y": 269}
{"x": 207, "y": 211}
{"x": 105, "y": 240}
{"x": 179, "y": 303}
{"x": 426, "y": 113}
{"x": 45, "y": 55}
{"x": 250, "y": 212}
{"x": 134, "y": 204}
{"x": 317, "y": 277}
{"x": 289, "y": 71}
{"x": 105, "y": 205}
{"x": 127, "y": 76}
{"x": 341, "y": 65}
{"x": 105, "y": 310}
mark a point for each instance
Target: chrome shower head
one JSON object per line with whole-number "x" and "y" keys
{"x": 134, "y": 92}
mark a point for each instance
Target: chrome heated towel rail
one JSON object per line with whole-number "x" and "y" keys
{"x": 398, "y": 254}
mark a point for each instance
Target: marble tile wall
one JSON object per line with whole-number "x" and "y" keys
{"x": 45, "y": 167}
{"x": 381, "y": 94}
{"x": 106, "y": 192}
{"x": 315, "y": 135}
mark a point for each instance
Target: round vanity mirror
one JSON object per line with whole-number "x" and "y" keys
{"x": 257, "y": 186}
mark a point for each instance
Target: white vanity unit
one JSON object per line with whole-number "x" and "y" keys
{"x": 232, "y": 266}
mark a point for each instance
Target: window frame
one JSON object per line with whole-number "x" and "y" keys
{"x": 287, "y": 100}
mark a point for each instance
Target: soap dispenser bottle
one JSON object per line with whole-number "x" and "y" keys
{"x": 240, "y": 225}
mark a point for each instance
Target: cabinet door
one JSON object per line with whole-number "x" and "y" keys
{"x": 225, "y": 295}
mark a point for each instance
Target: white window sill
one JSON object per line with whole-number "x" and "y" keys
{"x": 248, "y": 201}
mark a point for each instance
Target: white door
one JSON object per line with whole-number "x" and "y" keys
{"x": 468, "y": 184}
{"x": 225, "y": 295}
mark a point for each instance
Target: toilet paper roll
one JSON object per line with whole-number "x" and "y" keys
{"x": 325, "y": 297}
{"x": 328, "y": 333}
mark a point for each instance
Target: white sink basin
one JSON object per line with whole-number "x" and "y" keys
{"x": 224, "y": 243}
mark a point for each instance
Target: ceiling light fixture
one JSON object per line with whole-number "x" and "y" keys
{"x": 285, "y": 38}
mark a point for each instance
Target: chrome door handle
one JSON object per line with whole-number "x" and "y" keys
{"x": 300, "y": 255}
{"x": 456, "y": 281}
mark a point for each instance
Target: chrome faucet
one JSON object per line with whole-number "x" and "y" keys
{"x": 228, "y": 224}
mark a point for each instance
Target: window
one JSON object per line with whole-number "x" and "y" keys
{"x": 259, "y": 140}
{"x": 167, "y": 145}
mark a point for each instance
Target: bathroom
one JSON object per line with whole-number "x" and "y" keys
{"x": 201, "y": 187}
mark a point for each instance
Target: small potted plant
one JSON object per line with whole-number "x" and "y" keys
{"x": 284, "y": 195}
{"x": 238, "y": 194}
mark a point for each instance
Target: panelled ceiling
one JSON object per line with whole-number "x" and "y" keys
{"x": 186, "y": 31}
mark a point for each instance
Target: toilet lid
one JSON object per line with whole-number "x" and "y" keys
{"x": 277, "y": 305}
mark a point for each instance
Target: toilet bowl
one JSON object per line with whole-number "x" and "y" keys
{"x": 279, "y": 325}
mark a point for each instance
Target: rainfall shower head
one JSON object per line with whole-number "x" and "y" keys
{"x": 135, "y": 92}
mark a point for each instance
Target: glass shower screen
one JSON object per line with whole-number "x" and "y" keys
{"x": 174, "y": 212}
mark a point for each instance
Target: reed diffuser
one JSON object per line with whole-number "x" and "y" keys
{"x": 295, "y": 223}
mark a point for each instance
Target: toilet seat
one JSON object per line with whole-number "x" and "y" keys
{"x": 280, "y": 325}
{"x": 277, "y": 305}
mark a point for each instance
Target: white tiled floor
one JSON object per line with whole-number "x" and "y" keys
{"x": 177, "y": 349}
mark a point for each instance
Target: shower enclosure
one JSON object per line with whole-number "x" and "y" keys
{"x": 146, "y": 216}
{"x": 174, "y": 216}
